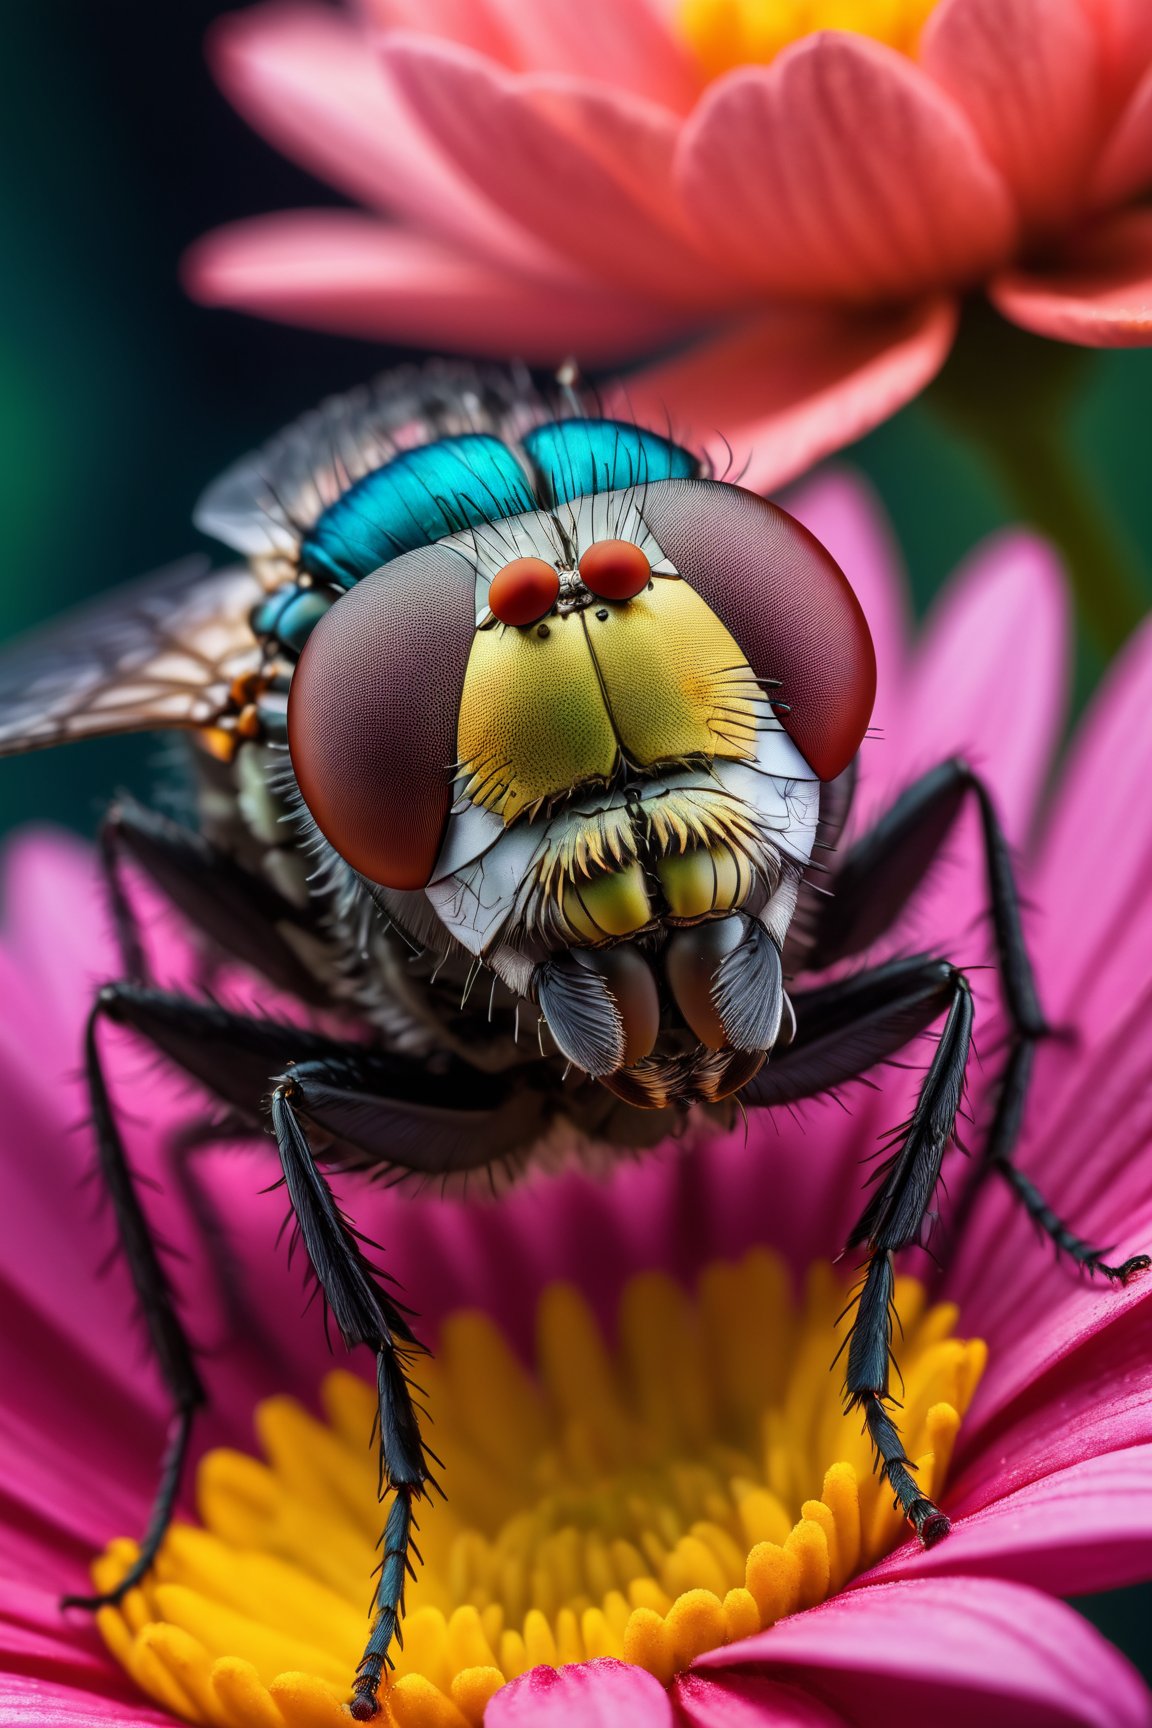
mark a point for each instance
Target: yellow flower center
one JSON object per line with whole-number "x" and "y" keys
{"x": 727, "y": 33}
{"x": 649, "y": 1501}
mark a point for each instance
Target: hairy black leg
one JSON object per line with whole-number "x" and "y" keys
{"x": 378, "y": 1110}
{"x": 357, "y": 1097}
{"x": 241, "y": 913}
{"x": 843, "y": 1030}
{"x": 872, "y": 883}
{"x": 364, "y": 1315}
{"x": 157, "y": 1304}
{"x": 893, "y": 1219}
{"x": 998, "y": 1157}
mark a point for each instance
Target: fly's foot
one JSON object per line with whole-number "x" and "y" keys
{"x": 1122, "y": 1274}
{"x": 365, "y": 1705}
{"x": 929, "y": 1523}
{"x": 113, "y": 1598}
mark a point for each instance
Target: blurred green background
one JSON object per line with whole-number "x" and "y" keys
{"x": 120, "y": 399}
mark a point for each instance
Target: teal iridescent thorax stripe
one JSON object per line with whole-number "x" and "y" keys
{"x": 423, "y": 495}
{"x": 574, "y": 458}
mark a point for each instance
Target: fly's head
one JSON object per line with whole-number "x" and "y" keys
{"x": 574, "y": 702}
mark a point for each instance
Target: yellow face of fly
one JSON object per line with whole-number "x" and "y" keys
{"x": 555, "y": 706}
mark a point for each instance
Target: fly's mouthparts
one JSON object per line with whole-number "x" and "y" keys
{"x": 716, "y": 986}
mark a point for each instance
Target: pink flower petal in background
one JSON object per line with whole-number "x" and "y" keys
{"x": 777, "y": 392}
{"x": 583, "y": 154}
{"x": 1027, "y": 75}
{"x": 628, "y": 47}
{"x": 303, "y": 77}
{"x": 788, "y": 170}
{"x": 587, "y": 179}
{"x": 1126, "y": 34}
{"x": 1099, "y": 294}
{"x": 1099, "y": 832}
{"x": 339, "y": 270}
{"x": 989, "y": 683}
{"x": 1125, "y": 165}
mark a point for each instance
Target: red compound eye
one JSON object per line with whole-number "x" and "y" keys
{"x": 523, "y": 591}
{"x": 615, "y": 569}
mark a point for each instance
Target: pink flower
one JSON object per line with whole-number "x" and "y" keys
{"x": 1052, "y": 1482}
{"x": 547, "y": 180}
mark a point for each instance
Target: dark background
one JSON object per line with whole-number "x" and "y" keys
{"x": 119, "y": 399}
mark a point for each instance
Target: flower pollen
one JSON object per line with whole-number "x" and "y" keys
{"x": 728, "y": 33}
{"x": 648, "y": 1501}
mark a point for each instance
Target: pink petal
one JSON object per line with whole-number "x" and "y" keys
{"x": 307, "y": 79}
{"x": 1096, "y": 853}
{"x": 1085, "y": 1392}
{"x": 583, "y": 168}
{"x": 1026, "y": 73}
{"x": 28, "y": 1702}
{"x": 988, "y": 683}
{"x": 772, "y": 397}
{"x": 990, "y": 675}
{"x": 1098, "y": 295}
{"x": 1065, "y": 1377}
{"x": 1125, "y": 166}
{"x": 631, "y": 48}
{"x": 840, "y": 171}
{"x": 37, "y": 1635}
{"x": 950, "y": 1651}
{"x": 1126, "y": 33}
{"x": 473, "y": 23}
{"x": 338, "y": 270}
{"x": 746, "y": 1701}
{"x": 1081, "y": 1529}
{"x": 602, "y": 1694}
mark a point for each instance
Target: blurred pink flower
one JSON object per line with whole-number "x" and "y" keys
{"x": 1052, "y": 1480}
{"x": 549, "y": 180}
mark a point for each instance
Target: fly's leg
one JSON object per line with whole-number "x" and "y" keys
{"x": 247, "y": 1052}
{"x": 154, "y": 1292}
{"x": 242, "y": 914}
{"x": 998, "y": 1157}
{"x": 373, "y": 1108}
{"x": 842, "y": 1031}
{"x": 872, "y": 883}
{"x": 365, "y": 1315}
{"x": 893, "y": 1219}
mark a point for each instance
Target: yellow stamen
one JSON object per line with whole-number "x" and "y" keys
{"x": 727, "y": 33}
{"x": 678, "y": 1492}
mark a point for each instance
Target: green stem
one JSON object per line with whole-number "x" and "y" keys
{"x": 1012, "y": 395}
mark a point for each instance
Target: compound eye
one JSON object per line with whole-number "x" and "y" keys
{"x": 615, "y": 569}
{"x": 524, "y": 591}
{"x": 373, "y": 711}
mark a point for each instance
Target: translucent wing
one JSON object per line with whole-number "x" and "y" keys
{"x": 161, "y": 652}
